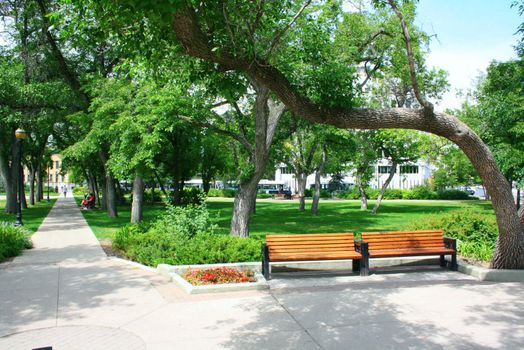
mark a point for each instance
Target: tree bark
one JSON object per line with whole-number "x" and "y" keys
{"x": 243, "y": 207}
{"x": 362, "y": 191}
{"x": 318, "y": 173}
{"x": 138, "y": 199}
{"x": 267, "y": 116}
{"x": 162, "y": 188}
{"x": 111, "y": 197}
{"x": 509, "y": 251}
{"x": 32, "y": 186}
{"x": 40, "y": 184}
{"x": 384, "y": 187}
{"x": 301, "y": 190}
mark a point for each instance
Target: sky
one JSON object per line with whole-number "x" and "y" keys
{"x": 469, "y": 35}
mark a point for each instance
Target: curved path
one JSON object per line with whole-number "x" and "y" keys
{"x": 67, "y": 294}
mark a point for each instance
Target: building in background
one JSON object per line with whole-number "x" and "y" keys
{"x": 406, "y": 176}
{"x": 57, "y": 178}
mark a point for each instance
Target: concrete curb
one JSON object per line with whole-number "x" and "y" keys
{"x": 484, "y": 274}
{"x": 133, "y": 263}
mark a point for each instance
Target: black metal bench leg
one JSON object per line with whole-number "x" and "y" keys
{"x": 364, "y": 262}
{"x": 442, "y": 261}
{"x": 356, "y": 265}
{"x": 265, "y": 262}
{"x": 454, "y": 265}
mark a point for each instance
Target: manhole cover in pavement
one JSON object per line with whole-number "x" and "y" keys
{"x": 73, "y": 338}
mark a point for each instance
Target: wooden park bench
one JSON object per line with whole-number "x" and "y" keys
{"x": 410, "y": 243}
{"x": 312, "y": 247}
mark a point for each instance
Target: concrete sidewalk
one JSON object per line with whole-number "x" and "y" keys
{"x": 67, "y": 294}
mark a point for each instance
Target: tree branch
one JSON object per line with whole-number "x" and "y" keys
{"x": 411, "y": 59}
{"x": 216, "y": 129}
{"x": 279, "y": 34}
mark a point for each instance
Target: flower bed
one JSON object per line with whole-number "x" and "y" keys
{"x": 219, "y": 275}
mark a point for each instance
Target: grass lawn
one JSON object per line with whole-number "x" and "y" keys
{"x": 283, "y": 216}
{"x": 31, "y": 217}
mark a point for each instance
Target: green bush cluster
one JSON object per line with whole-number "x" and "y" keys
{"x": 13, "y": 240}
{"x": 263, "y": 195}
{"x": 183, "y": 235}
{"x": 215, "y": 192}
{"x": 418, "y": 192}
{"x": 77, "y": 191}
{"x": 475, "y": 232}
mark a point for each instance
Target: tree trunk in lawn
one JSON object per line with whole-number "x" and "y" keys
{"x": 267, "y": 116}
{"x": 162, "y": 188}
{"x": 24, "y": 198}
{"x": 509, "y": 251}
{"x": 178, "y": 187}
{"x": 254, "y": 206}
{"x": 384, "y": 187}
{"x": 318, "y": 174}
{"x": 362, "y": 191}
{"x": 301, "y": 189}
{"x": 40, "y": 184}
{"x": 138, "y": 200}
{"x": 32, "y": 186}
{"x": 11, "y": 193}
{"x": 243, "y": 206}
{"x": 111, "y": 197}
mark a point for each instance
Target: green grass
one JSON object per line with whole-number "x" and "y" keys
{"x": 284, "y": 217}
{"x": 31, "y": 217}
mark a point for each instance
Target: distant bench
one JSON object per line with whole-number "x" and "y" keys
{"x": 312, "y": 247}
{"x": 411, "y": 243}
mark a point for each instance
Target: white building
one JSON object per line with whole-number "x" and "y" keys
{"x": 406, "y": 176}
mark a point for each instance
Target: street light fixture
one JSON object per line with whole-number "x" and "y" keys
{"x": 20, "y": 135}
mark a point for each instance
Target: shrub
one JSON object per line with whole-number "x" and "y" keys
{"x": 77, "y": 191}
{"x": 325, "y": 194}
{"x": 309, "y": 192}
{"x": 183, "y": 235}
{"x": 13, "y": 240}
{"x": 263, "y": 195}
{"x": 420, "y": 192}
{"x": 476, "y": 232}
{"x": 393, "y": 194}
{"x": 453, "y": 194}
{"x": 192, "y": 195}
{"x": 215, "y": 192}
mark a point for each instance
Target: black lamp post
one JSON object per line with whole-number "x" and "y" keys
{"x": 48, "y": 179}
{"x": 20, "y": 136}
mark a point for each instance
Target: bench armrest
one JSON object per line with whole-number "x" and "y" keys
{"x": 361, "y": 247}
{"x": 450, "y": 243}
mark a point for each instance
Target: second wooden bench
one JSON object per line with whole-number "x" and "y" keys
{"x": 410, "y": 243}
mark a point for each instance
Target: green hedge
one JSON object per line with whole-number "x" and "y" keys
{"x": 183, "y": 235}
{"x": 13, "y": 240}
{"x": 475, "y": 232}
{"x": 215, "y": 192}
{"x": 418, "y": 192}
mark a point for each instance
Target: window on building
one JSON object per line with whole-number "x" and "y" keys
{"x": 57, "y": 163}
{"x": 56, "y": 177}
{"x": 384, "y": 169}
{"x": 409, "y": 169}
{"x": 285, "y": 170}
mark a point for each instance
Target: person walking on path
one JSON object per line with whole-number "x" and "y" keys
{"x": 64, "y": 190}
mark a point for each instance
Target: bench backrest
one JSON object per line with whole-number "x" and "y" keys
{"x": 305, "y": 243}
{"x": 404, "y": 239}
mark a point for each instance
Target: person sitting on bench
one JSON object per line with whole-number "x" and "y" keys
{"x": 88, "y": 202}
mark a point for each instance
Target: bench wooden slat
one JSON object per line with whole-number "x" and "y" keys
{"x": 388, "y": 253}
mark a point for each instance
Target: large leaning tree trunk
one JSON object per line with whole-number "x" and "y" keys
{"x": 138, "y": 199}
{"x": 384, "y": 187}
{"x": 318, "y": 173}
{"x": 509, "y": 251}
{"x": 267, "y": 116}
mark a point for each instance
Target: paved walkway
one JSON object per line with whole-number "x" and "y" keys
{"x": 67, "y": 294}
